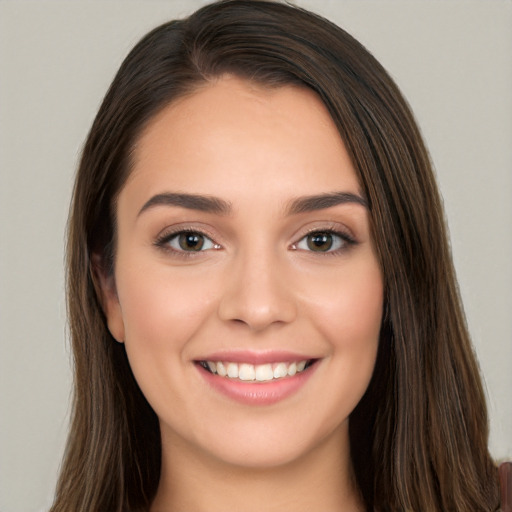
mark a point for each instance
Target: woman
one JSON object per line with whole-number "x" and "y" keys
{"x": 263, "y": 307}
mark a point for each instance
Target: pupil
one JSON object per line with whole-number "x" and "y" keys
{"x": 320, "y": 241}
{"x": 191, "y": 241}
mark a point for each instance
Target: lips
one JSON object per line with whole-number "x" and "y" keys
{"x": 256, "y": 378}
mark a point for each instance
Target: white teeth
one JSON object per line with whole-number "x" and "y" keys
{"x": 259, "y": 373}
{"x": 280, "y": 370}
{"x": 233, "y": 370}
{"x": 292, "y": 369}
{"x": 264, "y": 372}
{"x": 246, "y": 372}
{"x": 221, "y": 369}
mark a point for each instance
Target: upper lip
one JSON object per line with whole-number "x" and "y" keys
{"x": 256, "y": 357}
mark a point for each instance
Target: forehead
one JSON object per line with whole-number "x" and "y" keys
{"x": 231, "y": 136}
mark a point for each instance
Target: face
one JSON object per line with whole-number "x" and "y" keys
{"x": 246, "y": 287}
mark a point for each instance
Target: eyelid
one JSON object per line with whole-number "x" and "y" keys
{"x": 334, "y": 228}
{"x": 166, "y": 235}
{"x": 348, "y": 239}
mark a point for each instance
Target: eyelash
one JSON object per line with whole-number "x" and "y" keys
{"x": 345, "y": 241}
{"x": 163, "y": 242}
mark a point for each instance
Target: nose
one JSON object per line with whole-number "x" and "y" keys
{"x": 258, "y": 293}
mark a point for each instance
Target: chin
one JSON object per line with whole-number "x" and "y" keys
{"x": 263, "y": 444}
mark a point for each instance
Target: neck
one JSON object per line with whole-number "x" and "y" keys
{"x": 320, "y": 480}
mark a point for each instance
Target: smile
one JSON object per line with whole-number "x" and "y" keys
{"x": 256, "y": 378}
{"x": 248, "y": 372}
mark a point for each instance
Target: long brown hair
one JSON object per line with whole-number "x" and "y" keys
{"x": 419, "y": 435}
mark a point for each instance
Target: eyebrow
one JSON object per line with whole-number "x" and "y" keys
{"x": 322, "y": 201}
{"x": 210, "y": 204}
{"x": 190, "y": 201}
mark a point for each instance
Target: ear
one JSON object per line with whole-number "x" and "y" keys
{"x": 105, "y": 287}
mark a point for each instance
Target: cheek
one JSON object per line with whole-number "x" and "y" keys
{"x": 347, "y": 304}
{"x": 162, "y": 312}
{"x": 348, "y": 313}
{"x": 161, "y": 306}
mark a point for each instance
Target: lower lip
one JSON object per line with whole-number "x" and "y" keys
{"x": 257, "y": 393}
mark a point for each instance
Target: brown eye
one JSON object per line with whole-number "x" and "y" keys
{"x": 191, "y": 241}
{"x": 187, "y": 241}
{"x": 320, "y": 241}
{"x": 324, "y": 242}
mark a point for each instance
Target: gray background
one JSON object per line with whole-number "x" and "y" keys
{"x": 453, "y": 61}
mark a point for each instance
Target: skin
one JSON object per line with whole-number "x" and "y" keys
{"x": 257, "y": 286}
